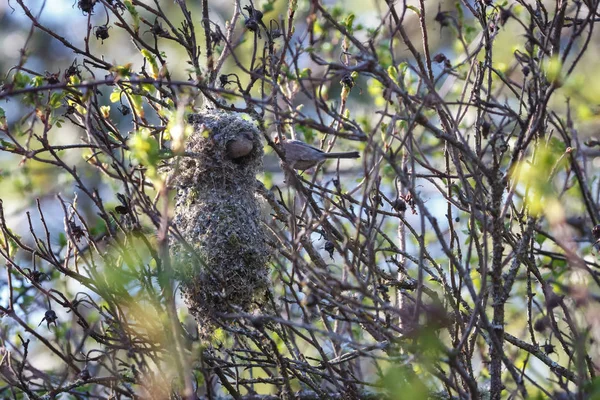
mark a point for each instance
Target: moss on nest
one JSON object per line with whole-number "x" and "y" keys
{"x": 218, "y": 214}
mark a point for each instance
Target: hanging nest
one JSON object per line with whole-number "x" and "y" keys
{"x": 219, "y": 216}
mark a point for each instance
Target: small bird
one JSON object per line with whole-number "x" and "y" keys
{"x": 240, "y": 146}
{"x": 301, "y": 156}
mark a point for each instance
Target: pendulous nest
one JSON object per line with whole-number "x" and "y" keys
{"x": 218, "y": 215}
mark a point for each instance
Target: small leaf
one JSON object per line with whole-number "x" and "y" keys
{"x": 554, "y": 71}
{"x": 21, "y": 80}
{"x": 138, "y": 104}
{"x": 7, "y": 145}
{"x": 349, "y": 21}
{"x": 105, "y": 111}
{"x": 115, "y": 96}
{"x": 3, "y": 124}
{"x": 134, "y": 14}
{"x": 122, "y": 71}
{"x": 414, "y": 9}
{"x": 56, "y": 99}
{"x": 155, "y": 70}
{"x": 37, "y": 81}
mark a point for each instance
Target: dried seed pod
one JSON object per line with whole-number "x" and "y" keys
{"x": 84, "y": 375}
{"x": 548, "y": 348}
{"x": 347, "y": 81}
{"x": 399, "y": 205}
{"x": 51, "y": 78}
{"x": 101, "y": 32}
{"x": 223, "y": 80}
{"x": 329, "y": 247}
{"x": 72, "y": 70}
{"x": 596, "y": 232}
{"x": 50, "y": 317}
{"x": 86, "y": 6}
{"x": 124, "y": 109}
{"x": 37, "y": 276}
{"x": 158, "y": 30}
{"x": 251, "y": 24}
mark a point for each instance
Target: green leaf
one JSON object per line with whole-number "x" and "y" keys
{"x": 56, "y": 99}
{"x": 62, "y": 239}
{"x": 393, "y": 73}
{"x": 148, "y": 88}
{"x": 145, "y": 150}
{"x": 122, "y": 71}
{"x": 349, "y": 21}
{"x": 155, "y": 70}
{"x": 2, "y": 118}
{"x": 540, "y": 239}
{"x": 553, "y": 69}
{"x": 268, "y": 6}
{"x": 305, "y": 73}
{"x": 414, "y": 9}
{"x": 134, "y": 14}
{"x": 7, "y": 145}
{"x": 115, "y": 96}
{"x": 37, "y": 81}
{"x": 20, "y": 80}
{"x": 11, "y": 243}
{"x": 138, "y": 104}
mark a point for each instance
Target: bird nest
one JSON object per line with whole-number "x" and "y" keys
{"x": 223, "y": 267}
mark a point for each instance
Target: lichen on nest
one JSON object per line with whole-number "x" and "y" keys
{"x": 218, "y": 214}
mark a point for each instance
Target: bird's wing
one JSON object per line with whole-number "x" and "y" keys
{"x": 307, "y": 148}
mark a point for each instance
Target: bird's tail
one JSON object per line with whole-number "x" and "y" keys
{"x": 349, "y": 154}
